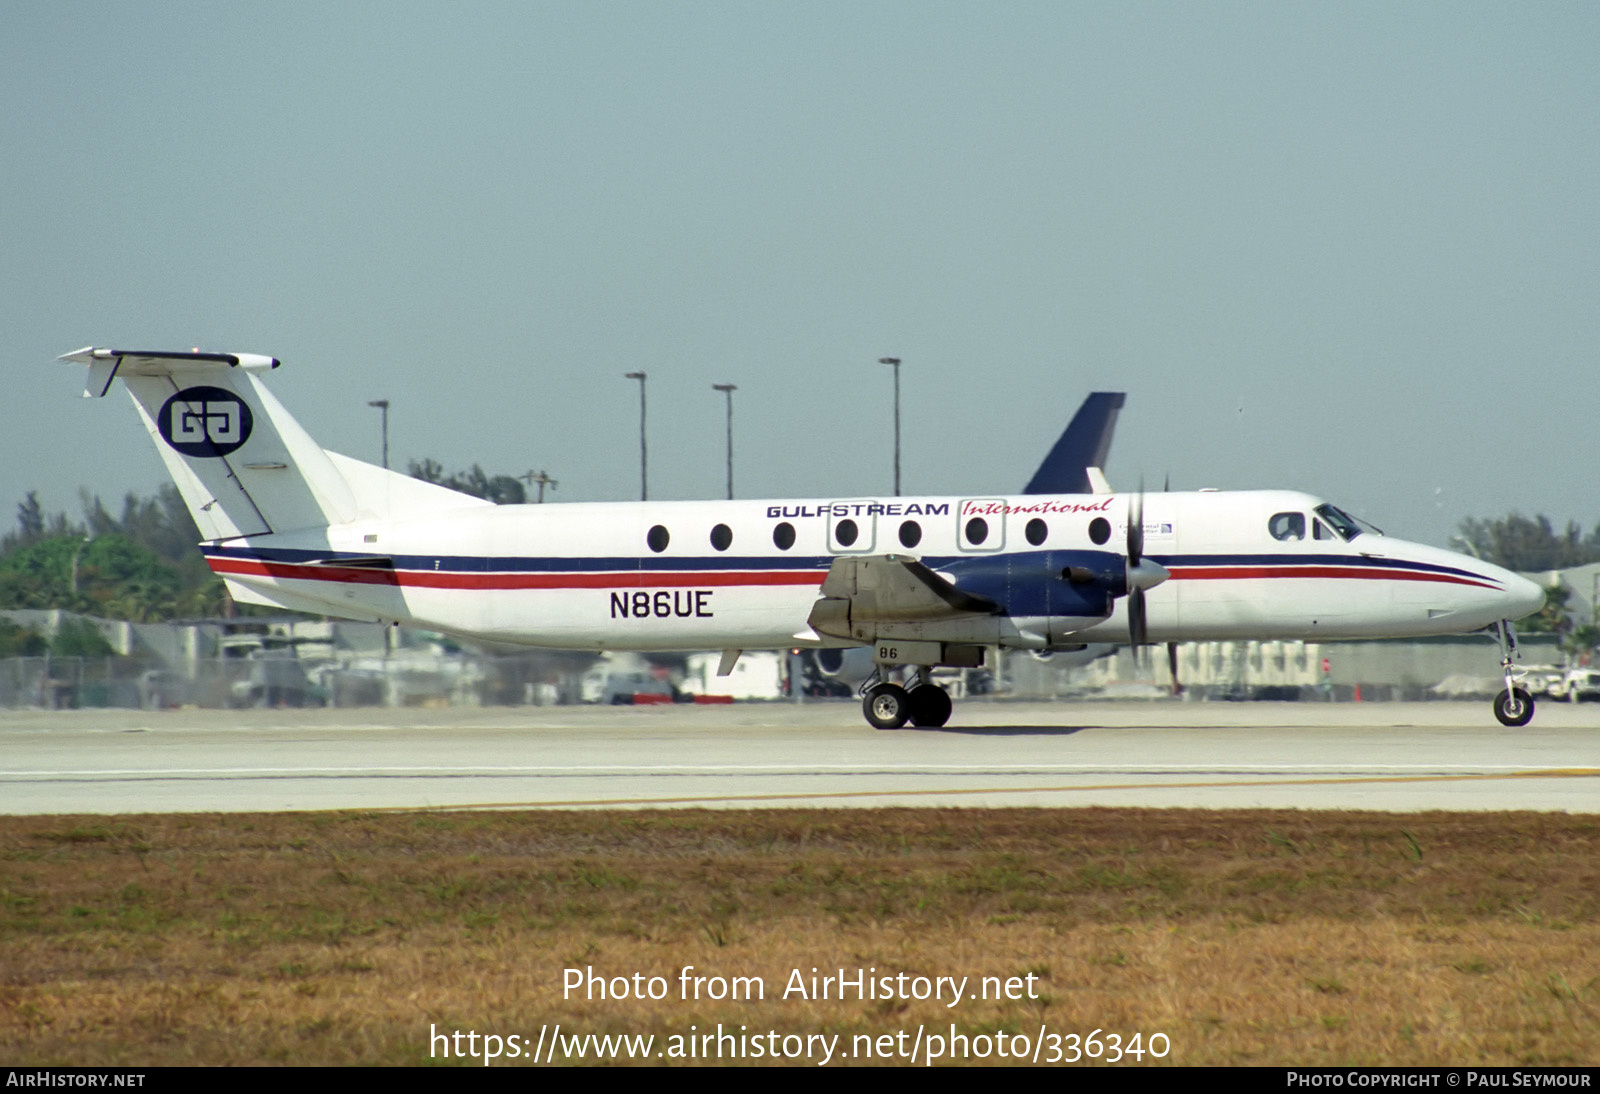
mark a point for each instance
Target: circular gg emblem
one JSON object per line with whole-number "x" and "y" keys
{"x": 205, "y": 421}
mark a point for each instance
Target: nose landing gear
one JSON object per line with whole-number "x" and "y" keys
{"x": 1513, "y": 706}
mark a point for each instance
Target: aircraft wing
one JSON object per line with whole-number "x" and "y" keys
{"x": 866, "y": 593}
{"x": 1082, "y": 447}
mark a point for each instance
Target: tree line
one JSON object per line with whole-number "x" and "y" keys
{"x": 1527, "y": 545}
{"x": 140, "y": 564}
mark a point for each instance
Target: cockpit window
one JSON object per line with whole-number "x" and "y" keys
{"x": 1287, "y": 526}
{"x": 1347, "y": 526}
{"x": 1320, "y": 530}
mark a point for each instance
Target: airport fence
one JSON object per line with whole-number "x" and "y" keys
{"x": 66, "y": 683}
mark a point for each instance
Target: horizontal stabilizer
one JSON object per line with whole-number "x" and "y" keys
{"x": 105, "y": 365}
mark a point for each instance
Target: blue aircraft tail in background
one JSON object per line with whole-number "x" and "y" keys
{"x": 1082, "y": 447}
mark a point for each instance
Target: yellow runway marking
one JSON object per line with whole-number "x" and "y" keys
{"x": 1549, "y": 773}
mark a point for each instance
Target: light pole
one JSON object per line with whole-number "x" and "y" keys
{"x": 895, "y": 361}
{"x": 728, "y": 390}
{"x": 75, "y": 556}
{"x": 542, "y": 479}
{"x": 383, "y": 405}
{"x": 644, "y": 466}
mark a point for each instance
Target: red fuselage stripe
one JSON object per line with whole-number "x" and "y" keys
{"x": 445, "y": 579}
{"x": 1246, "y": 573}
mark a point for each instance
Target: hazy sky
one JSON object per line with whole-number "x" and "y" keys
{"x": 1347, "y": 248}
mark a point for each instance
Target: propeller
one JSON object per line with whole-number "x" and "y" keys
{"x": 1138, "y": 623}
{"x": 1142, "y": 574}
{"x": 1139, "y": 574}
{"x": 1172, "y": 647}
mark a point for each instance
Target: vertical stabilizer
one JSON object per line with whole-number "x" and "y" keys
{"x": 1084, "y": 444}
{"x": 245, "y": 467}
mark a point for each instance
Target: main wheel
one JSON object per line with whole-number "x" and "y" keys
{"x": 930, "y": 705}
{"x": 1514, "y": 707}
{"x": 886, "y": 706}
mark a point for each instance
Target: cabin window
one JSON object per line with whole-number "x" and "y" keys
{"x": 846, "y": 532}
{"x": 721, "y": 537}
{"x": 1036, "y": 531}
{"x": 977, "y": 530}
{"x": 783, "y": 536}
{"x": 658, "y": 538}
{"x": 1100, "y": 530}
{"x": 1320, "y": 530}
{"x": 1288, "y": 527}
{"x": 910, "y": 534}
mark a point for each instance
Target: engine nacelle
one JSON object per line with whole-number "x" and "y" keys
{"x": 850, "y": 665}
{"x": 1074, "y": 656}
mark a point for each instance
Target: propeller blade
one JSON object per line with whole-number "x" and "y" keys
{"x": 1138, "y": 627}
{"x": 1136, "y": 528}
{"x": 1142, "y": 574}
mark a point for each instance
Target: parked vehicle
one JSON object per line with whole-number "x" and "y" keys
{"x": 1574, "y": 684}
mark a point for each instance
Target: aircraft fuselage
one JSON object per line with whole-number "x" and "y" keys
{"x": 745, "y": 574}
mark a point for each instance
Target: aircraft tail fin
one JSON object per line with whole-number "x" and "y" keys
{"x": 1083, "y": 445}
{"x": 244, "y": 466}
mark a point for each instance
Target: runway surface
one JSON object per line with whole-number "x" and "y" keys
{"x": 1398, "y": 757}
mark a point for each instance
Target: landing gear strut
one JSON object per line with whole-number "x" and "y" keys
{"x": 1513, "y": 706}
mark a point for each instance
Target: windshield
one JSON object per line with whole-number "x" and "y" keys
{"x": 1347, "y": 526}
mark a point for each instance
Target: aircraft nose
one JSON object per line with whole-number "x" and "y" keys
{"x": 1523, "y": 597}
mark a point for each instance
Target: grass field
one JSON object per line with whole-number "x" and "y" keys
{"x": 1243, "y": 937}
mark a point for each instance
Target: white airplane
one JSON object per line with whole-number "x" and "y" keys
{"x": 921, "y": 581}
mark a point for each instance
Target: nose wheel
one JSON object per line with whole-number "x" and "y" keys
{"x": 1513, "y": 706}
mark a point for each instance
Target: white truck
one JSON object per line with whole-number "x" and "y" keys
{"x": 1573, "y": 683}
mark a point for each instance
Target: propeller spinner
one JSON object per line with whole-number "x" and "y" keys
{"x": 1142, "y": 574}
{"x": 1139, "y": 574}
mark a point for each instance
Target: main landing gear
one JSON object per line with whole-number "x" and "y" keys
{"x": 1513, "y": 706}
{"x": 890, "y": 706}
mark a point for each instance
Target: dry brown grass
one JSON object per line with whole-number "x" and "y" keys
{"x": 1246, "y": 937}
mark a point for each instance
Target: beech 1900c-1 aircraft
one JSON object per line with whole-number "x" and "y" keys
{"x": 921, "y": 581}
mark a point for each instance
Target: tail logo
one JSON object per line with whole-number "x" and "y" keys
{"x": 205, "y": 422}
